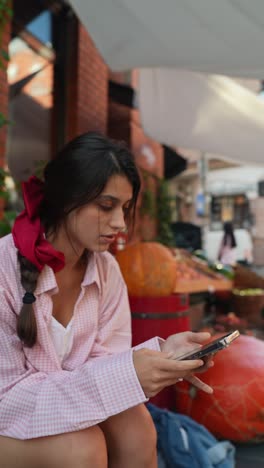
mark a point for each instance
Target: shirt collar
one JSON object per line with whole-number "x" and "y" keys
{"x": 91, "y": 275}
{"x": 47, "y": 280}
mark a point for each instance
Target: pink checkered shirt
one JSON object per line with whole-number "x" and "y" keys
{"x": 39, "y": 396}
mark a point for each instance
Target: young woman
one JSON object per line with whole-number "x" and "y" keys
{"x": 228, "y": 250}
{"x": 71, "y": 388}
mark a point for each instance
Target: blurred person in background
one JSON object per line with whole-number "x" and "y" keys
{"x": 228, "y": 248}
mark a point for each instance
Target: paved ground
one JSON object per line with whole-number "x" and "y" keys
{"x": 250, "y": 456}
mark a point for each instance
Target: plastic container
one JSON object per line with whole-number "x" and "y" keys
{"x": 159, "y": 316}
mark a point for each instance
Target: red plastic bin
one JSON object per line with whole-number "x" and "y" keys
{"x": 159, "y": 316}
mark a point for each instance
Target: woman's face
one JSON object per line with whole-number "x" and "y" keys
{"x": 95, "y": 225}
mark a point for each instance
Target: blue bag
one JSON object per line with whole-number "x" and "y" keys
{"x": 183, "y": 443}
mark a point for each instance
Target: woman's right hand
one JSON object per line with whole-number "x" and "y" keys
{"x": 156, "y": 370}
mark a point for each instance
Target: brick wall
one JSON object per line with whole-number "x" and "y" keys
{"x": 149, "y": 159}
{"x": 4, "y": 96}
{"x": 90, "y": 110}
{"x": 124, "y": 124}
{"x": 119, "y": 116}
{"x": 89, "y": 89}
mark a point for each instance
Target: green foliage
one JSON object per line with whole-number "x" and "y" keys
{"x": 5, "y": 55}
{"x": 39, "y": 169}
{"x": 3, "y": 175}
{"x": 3, "y": 120}
{"x": 158, "y": 206}
{"x": 5, "y": 9}
{"x": 147, "y": 206}
{"x": 165, "y": 234}
{"x": 6, "y": 222}
{"x": 148, "y": 202}
{"x": 8, "y": 217}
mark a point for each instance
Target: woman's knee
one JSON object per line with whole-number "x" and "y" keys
{"x": 145, "y": 440}
{"x": 81, "y": 449}
{"x": 86, "y": 448}
{"x": 131, "y": 433}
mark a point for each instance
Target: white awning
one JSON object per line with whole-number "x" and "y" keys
{"x": 210, "y": 113}
{"x": 212, "y": 36}
{"x": 235, "y": 180}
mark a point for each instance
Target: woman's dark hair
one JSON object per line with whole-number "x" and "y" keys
{"x": 79, "y": 174}
{"x": 75, "y": 177}
{"x": 229, "y": 236}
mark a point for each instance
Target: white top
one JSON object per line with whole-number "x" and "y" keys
{"x": 62, "y": 338}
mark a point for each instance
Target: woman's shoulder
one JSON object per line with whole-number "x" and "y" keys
{"x": 9, "y": 272}
{"x": 8, "y": 251}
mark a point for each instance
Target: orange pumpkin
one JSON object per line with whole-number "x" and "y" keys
{"x": 235, "y": 410}
{"x": 148, "y": 268}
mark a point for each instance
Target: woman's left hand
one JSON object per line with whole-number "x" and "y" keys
{"x": 185, "y": 342}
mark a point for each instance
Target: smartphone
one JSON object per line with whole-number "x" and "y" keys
{"x": 211, "y": 348}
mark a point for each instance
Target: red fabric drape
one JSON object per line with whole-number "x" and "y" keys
{"x": 28, "y": 233}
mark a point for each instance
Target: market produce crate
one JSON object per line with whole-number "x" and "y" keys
{"x": 194, "y": 275}
{"x": 249, "y": 304}
{"x": 246, "y": 278}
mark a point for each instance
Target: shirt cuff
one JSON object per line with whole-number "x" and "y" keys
{"x": 118, "y": 384}
{"x": 153, "y": 343}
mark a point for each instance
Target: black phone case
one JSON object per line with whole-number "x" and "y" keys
{"x": 211, "y": 349}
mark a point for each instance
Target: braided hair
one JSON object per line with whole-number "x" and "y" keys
{"x": 26, "y": 323}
